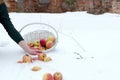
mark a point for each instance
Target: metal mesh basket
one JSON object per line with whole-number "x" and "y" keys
{"x": 37, "y": 31}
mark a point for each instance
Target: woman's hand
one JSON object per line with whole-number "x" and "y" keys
{"x": 34, "y": 51}
{"x": 26, "y": 48}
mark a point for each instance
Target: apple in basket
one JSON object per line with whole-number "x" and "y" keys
{"x": 43, "y": 42}
{"x": 27, "y": 59}
{"x": 51, "y": 38}
{"x": 41, "y": 56}
{"x": 49, "y": 44}
{"x": 36, "y": 43}
{"x": 37, "y": 47}
{"x": 43, "y": 48}
{"x": 57, "y": 76}
{"x": 48, "y": 76}
{"x": 30, "y": 44}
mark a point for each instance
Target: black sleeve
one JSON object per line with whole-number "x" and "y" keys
{"x": 6, "y": 22}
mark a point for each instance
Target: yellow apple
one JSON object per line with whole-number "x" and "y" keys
{"x": 27, "y": 59}
{"x": 46, "y": 59}
{"x": 36, "y": 68}
{"x": 36, "y": 43}
{"x": 30, "y": 44}
{"x": 51, "y": 38}
{"x": 41, "y": 56}
{"x": 49, "y": 44}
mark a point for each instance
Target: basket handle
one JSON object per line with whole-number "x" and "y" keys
{"x": 42, "y": 24}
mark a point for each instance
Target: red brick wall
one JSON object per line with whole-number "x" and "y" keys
{"x": 91, "y": 6}
{"x": 12, "y": 5}
{"x": 115, "y": 7}
{"x": 82, "y": 5}
{"x": 31, "y": 5}
{"x": 55, "y": 6}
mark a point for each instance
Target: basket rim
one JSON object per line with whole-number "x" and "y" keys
{"x": 20, "y": 31}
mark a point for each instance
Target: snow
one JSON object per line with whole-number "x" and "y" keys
{"x": 95, "y": 37}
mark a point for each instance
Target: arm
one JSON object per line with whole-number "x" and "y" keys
{"x": 12, "y": 32}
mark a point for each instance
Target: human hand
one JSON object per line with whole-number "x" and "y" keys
{"x": 29, "y": 50}
{"x": 34, "y": 51}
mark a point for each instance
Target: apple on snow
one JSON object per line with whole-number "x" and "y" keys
{"x": 57, "y": 76}
{"x": 48, "y": 76}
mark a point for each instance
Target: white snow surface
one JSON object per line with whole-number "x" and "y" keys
{"x": 95, "y": 37}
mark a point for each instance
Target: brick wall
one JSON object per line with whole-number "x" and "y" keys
{"x": 12, "y": 5}
{"x": 115, "y": 7}
{"x": 100, "y": 6}
{"x": 31, "y": 5}
{"x": 82, "y": 5}
{"x": 57, "y": 6}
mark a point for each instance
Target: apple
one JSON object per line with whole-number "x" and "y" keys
{"x": 49, "y": 44}
{"x": 30, "y": 44}
{"x": 46, "y": 59}
{"x": 35, "y": 47}
{"x": 43, "y": 48}
{"x": 36, "y": 43}
{"x": 38, "y": 47}
{"x": 41, "y": 56}
{"x": 48, "y": 76}
{"x": 51, "y": 38}
{"x": 27, "y": 59}
{"x": 36, "y": 68}
{"x": 43, "y": 42}
{"x": 57, "y": 76}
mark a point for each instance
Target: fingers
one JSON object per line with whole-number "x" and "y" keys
{"x": 36, "y": 52}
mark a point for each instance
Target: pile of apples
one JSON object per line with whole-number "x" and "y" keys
{"x": 42, "y": 57}
{"x": 55, "y": 76}
{"x": 42, "y": 44}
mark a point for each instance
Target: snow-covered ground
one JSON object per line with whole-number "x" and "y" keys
{"x": 95, "y": 37}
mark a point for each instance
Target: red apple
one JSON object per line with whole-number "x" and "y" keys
{"x": 51, "y": 38}
{"x": 48, "y": 76}
{"x": 43, "y": 42}
{"x": 57, "y": 76}
{"x": 27, "y": 59}
{"x": 41, "y": 56}
{"x": 49, "y": 44}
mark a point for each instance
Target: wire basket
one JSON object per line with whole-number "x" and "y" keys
{"x": 37, "y": 31}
